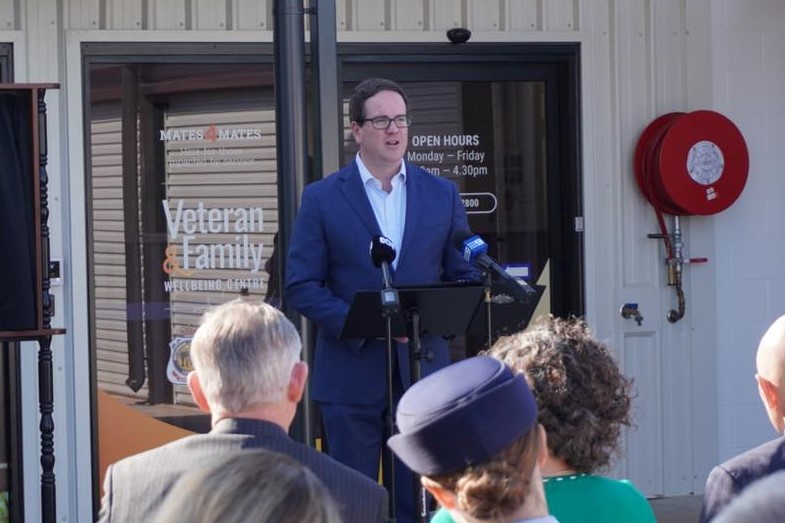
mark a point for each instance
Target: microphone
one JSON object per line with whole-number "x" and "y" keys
{"x": 475, "y": 251}
{"x": 382, "y": 255}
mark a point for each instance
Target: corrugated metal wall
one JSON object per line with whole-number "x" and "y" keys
{"x": 109, "y": 287}
{"x": 351, "y": 15}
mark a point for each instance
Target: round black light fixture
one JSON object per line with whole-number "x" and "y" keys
{"x": 459, "y": 35}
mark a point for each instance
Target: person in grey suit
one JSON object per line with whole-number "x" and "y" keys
{"x": 258, "y": 486}
{"x": 726, "y": 481}
{"x": 248, "y": 375}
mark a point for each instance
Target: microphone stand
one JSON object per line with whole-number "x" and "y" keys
{"x": 416, "y": 355}
{"x": 389, "y": 298}
{"x": 487, "y": 284}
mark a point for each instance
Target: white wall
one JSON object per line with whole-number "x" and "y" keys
{"x": 749, "y": 87}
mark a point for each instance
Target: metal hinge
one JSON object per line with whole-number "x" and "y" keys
{"x": 579, "y": 224}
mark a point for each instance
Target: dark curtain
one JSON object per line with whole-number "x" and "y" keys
{"x": 17, "y": 235}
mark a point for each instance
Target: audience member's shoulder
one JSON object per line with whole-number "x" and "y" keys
{"x": 627, "y": 496}
{"x": 343, "y": 473}
{"x": 761, "y": 502}
{"x": 623, "y": 485}
{"x": 606, "y": 499}
{"x": 631, "y": 491}
{"x": 155, "y": 455}
{"x": 615, "y": 488}
{"x": 774, "y": 447}
{"x": 769, "y": 456}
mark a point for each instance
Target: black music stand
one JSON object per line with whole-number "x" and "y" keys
{"x": 444, "y": 309}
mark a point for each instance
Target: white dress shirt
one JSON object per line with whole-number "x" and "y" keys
{"x": 389, "y": 208}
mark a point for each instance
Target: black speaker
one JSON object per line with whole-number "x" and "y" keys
{"x": 18, "y": 263}
{"x": 26, "y": 307}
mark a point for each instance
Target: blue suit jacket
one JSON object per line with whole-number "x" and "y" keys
{"x": 726, "y": 481}
{"x": 328, "y": 261}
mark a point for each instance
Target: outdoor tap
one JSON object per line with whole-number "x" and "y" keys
{"x": 630, "y": 310}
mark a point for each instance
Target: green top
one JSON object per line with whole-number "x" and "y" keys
{"x": 585, "y": 498}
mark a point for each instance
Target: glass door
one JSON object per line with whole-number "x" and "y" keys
{"x": 182, "y": 208}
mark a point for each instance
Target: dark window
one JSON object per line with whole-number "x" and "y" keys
{"x": 10, "y": 394}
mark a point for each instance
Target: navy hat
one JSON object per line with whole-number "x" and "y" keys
{"x": 462, "y": 415}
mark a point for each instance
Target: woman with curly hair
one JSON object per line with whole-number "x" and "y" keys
{"x": 584, "y": 402}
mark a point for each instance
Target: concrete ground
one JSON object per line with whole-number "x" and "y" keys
{"x": 677, "y": 509}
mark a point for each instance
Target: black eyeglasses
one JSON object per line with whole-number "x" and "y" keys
{"x": 402, "y": 121}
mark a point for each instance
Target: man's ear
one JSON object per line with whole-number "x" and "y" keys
{"x": 196, "y": 391}
{"x": 772, "y": 400}
{"x": 769, "y": 393}
{"x": 356, "y": 132}
{"x": 297, "y": 380}
{"x": 444, "y": 497}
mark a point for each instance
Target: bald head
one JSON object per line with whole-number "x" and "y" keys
{"x": 770, "y": 362}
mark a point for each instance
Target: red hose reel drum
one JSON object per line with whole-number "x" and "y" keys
{"x": 691, "y": 163}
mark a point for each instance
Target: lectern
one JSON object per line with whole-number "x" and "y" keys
{"x": 26, "y": 306}
{"x": 443, "y": 309}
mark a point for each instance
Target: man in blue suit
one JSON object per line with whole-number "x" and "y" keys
{"x": 728, "y": 480}
{"x": 328, "y": 261}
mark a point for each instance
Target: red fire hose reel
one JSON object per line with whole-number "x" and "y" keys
{"x": 689, "y": 164}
